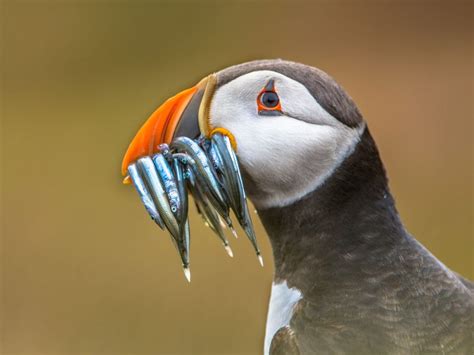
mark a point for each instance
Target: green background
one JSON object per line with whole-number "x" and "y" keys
{"x": 83, "y": 269}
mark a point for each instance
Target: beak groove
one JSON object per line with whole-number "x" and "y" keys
{"x": 204, "y": 108}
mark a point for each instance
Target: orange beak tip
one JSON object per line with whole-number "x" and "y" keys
{"x": 159, "y": 128}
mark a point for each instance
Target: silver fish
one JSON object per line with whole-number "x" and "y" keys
{"x": 182, "y": 216}
{"x": 179, "y": 171}
{"x": 216, "y": 225}
{"x": 220, "y": 172}
{"x": 218, "y": 167}
{"x": 169, "y": 190}
{"x": 158, "y": 194}
{"x": 214, "y": 158}
{"x": 145, "y": 196}
{"x": 169, "y": 183}
{"x": 224, "y": 158}
{"x": 209, "y": 215}
{"x": 204, "y": 175}
{"x": 182, "y": 246}
{"x": 186, "y": 243}
{"x": 202, "y": 167}
{"x": 232, "y": 180}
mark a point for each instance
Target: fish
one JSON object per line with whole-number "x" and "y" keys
{"x": 167, "y": 177}
{"x": 144, "y": 194}
{"x": 222, "y": 174}
{"x": 182, "y": 216}
{"x": 214, "y": 158}
{"x": 217, "y": 166}
{"x": 180, "y": 239}
{"x": 179, "y": 171}
{"x": 222, "y": 157}
{"x": 210, "y": 217}
{"x": 185, "y": 244}
{"x": 221, "y": 148}
{"x": 204, "y": 175}
{"x": 182, "y": 245}
{"x": 147, "y": 168}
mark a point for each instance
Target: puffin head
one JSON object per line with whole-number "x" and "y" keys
{"x": 291, "y": 125}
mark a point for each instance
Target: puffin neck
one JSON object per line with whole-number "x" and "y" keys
{"x": 341, "y": 222}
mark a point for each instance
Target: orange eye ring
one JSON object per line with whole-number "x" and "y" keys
{"x": 268, "y": 102}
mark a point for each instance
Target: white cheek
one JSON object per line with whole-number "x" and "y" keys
{"x": 289, "y": 158}
{"x": 286, "y": 157}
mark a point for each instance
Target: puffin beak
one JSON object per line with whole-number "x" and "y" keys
{"x": 185, "y": 114}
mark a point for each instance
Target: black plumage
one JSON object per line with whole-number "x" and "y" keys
{"x": 368, "y": 286}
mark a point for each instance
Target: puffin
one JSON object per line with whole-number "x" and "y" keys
{"x": 349, "y": 278}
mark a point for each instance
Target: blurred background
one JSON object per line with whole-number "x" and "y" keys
{"x": 84, "y": 270}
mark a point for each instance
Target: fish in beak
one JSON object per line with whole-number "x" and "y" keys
{"x": 175, "y": 144}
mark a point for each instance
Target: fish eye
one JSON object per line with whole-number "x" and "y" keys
{"x": 269, "y": 99}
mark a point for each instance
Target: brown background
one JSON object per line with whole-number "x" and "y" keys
{"x": 83, "y": 269}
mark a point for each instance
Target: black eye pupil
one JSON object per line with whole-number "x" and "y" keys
{"x": 270, "y": 99}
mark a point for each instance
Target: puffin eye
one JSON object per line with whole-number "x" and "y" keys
{"x": 270, "y": 99}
